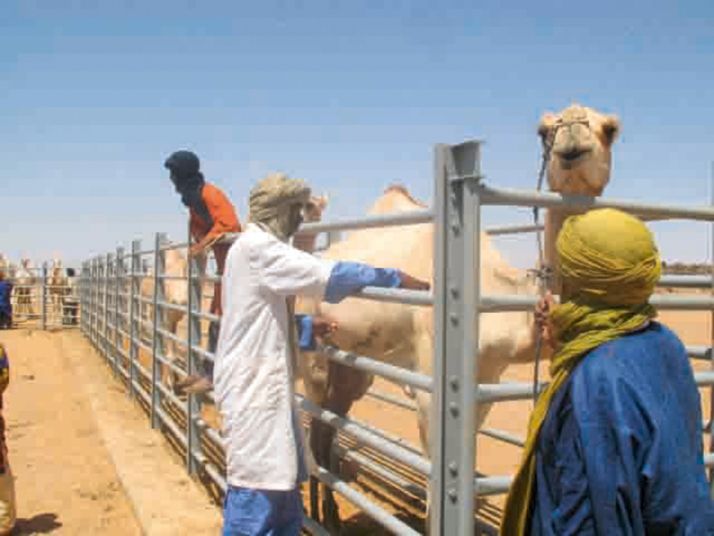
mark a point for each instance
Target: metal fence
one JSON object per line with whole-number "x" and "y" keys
{"x": 114, "y": 293}
{"x": 45, "y": 298}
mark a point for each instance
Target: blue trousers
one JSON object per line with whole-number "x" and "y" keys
{"x": 254, "y": 512}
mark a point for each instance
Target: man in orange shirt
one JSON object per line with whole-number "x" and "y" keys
{"x": 211, "y": 216}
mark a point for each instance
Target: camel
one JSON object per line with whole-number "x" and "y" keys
{"x": 580, "y": 141}
{"x": 25, "y": 280}
{"x": 57, "y": 288}
{"x": 175, "y": 294}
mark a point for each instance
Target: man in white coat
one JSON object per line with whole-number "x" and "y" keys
{"x": 256, "y": 350}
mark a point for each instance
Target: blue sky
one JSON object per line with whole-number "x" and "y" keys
{"x": 348, "y": 95}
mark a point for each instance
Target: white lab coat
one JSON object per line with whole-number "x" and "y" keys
{"x": 253, "y": 377}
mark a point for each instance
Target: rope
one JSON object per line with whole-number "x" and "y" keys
{"x": 543, "y": 271}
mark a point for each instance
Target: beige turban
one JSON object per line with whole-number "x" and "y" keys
{"x": 271, "y": 199}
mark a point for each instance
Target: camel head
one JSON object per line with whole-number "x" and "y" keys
{"x": 580, "y": 141}
{"x": 312, "y": 213}
{"x": 314, "y": 208}
{"x": 56, "y": 268}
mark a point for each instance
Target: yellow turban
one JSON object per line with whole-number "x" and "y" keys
{"x": 609, "y": 257}
{"x": 610, "y": 265}
{"x": 272, "y": 195}
{"x": 270, "y": 202}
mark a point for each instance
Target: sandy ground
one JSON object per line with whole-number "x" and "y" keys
{"x": 84, "y": 458}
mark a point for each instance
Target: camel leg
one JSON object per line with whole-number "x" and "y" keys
{"x": 319, "y": 437}
{"x": 314, "y": 502}
{"x": 165, "y": 372}
{"x": 171, "y": 377}
{"x": 312, "y": 368}
{"x": 423, "y": 402}
{"x": 345, "y": 386}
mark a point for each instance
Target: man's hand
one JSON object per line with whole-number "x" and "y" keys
{"x": 196, "y": 250}
{"x": 412, "y": 283}
{"x": 323, "y": 326}
{"x": 543, "y": 322}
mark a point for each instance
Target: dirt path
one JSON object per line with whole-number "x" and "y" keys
{"x": 84, "y": 458}
{"x": 65, "y": 481}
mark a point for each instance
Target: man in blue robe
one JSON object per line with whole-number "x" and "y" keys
{"x": 615, "y": 441}
{"x": 5, "y": 302}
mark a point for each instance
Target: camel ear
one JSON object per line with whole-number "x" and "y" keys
{"x": 610, "y": 128}
{"x": 546, "y": 124}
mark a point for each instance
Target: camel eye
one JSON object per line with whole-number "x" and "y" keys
{"x": 609, "y": 131}
{"x": 543, "y": 132}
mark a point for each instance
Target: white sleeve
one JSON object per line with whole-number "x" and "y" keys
{"x": 287, "y": 271}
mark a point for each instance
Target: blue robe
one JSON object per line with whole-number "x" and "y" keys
{"x": 620, "y": 451}
{"x": 5, "y": 292}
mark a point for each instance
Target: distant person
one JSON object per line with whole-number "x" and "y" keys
{"x": 5, "y": 301}
{"x": 614, "y": 444}
{"x": 70, "y": 301}
{"x": 257, "y": 352}
{"x": 7, "y": 482}
{"x": 211, "y": 216}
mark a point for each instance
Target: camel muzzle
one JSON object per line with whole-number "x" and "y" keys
{"x": 569, "y": 158}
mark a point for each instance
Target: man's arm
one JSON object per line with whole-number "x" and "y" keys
{"x": 222, "y": 213}
{"x": 348, "y": 278}
{"x": 572, "y": 509}
{"x": 287, "y": 271}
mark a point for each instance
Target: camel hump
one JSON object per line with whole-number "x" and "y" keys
{"x": 399, "y": 188}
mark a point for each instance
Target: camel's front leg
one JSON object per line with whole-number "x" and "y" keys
{"x": 345, "y": 386}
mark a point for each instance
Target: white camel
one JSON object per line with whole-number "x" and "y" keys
{"x": 25, "y": 281}
{"x": 579, "y": 140}
{"x": 57, "y": 289}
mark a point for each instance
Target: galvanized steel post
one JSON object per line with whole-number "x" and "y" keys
{"x": 80, "y": 313}
{"x": 456, "y": 291}
{"x": 118, "y": 280}
{"x": 80, "y": 290}
{"x": 96, "y": 302}
{"x": 99, "y": 303}
{"x": 43, "y": 296}
{"x": 83, "y": 298}
{"x": 91, "y": 312}
{"x": 134, "y": 314}
{"x": 711, "y": 341}
{"x": 157, "y": 346}
{"x": 105, "y": 301}
{"x": 87, "y": 310}
{"x": 195, "y": 270}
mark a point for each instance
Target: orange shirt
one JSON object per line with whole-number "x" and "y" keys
{"x": 224, "y": 218}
